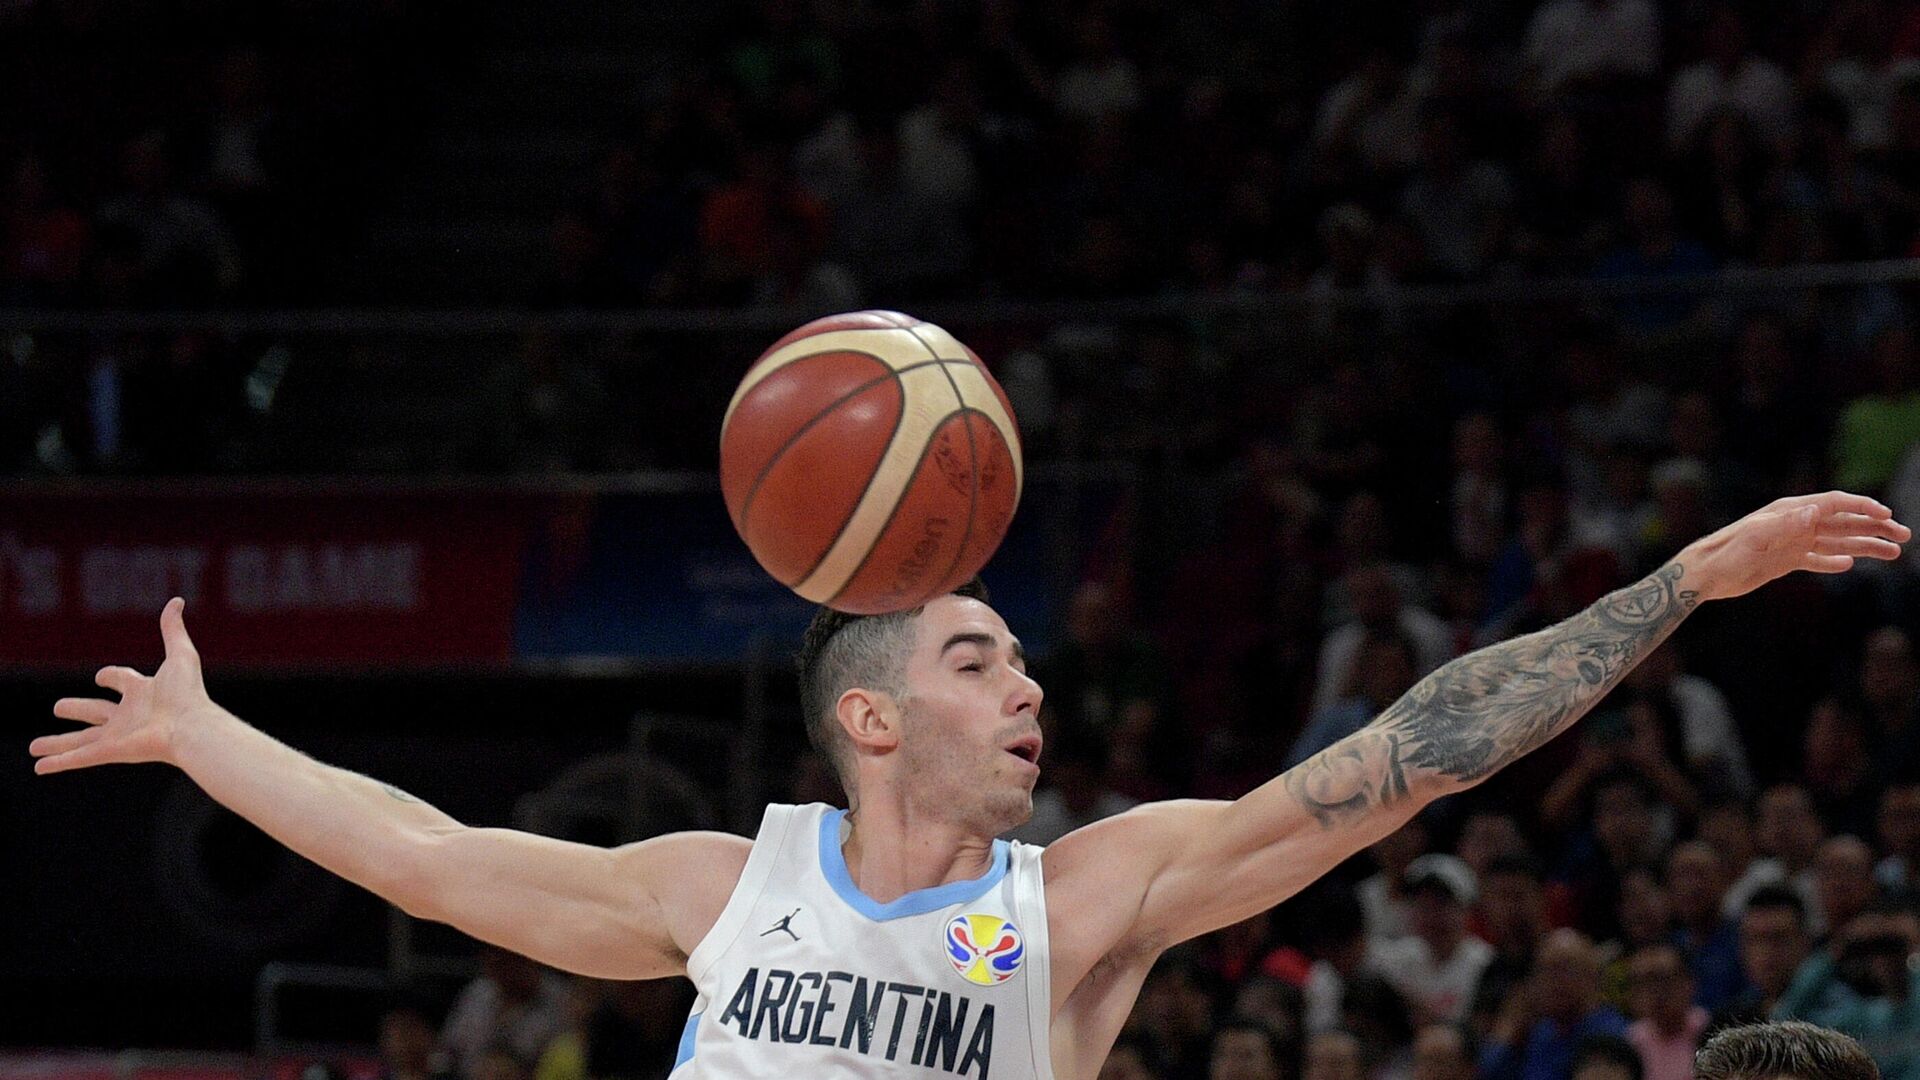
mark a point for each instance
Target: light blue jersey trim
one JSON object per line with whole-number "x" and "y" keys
{"x": 686, "y": 1041}
{"x": 918, "y": 902}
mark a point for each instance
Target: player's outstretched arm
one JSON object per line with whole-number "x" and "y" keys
{"x": 600, "y": 912}
{"x": 1209, "y": 864}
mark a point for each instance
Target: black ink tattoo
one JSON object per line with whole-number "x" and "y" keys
{"x": 1480, "y": 712}
{"x": 397, "y": 793}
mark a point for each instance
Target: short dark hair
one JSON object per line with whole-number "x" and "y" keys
{"x": 1276, "y": 1046}
{"x": 1778, "y": 897}
{"x": 1783, "y": 1050}
{"x": 841, "y": 651}
{"x": 1611, "y": 1049}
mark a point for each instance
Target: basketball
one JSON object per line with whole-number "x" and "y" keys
{"x": 870, "y": 462}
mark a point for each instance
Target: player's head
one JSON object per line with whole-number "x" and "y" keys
{"x": 933, "y": 702}
{"x": 1783, "y": 1050}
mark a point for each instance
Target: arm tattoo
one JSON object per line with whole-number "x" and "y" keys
{"x": 1478, "y": 713}
{"x": 397, "y": 793}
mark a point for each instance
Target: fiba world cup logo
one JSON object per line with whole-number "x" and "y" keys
{"x": 985, "y": 949}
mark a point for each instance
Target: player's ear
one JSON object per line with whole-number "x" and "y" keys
{"x": 870, "y": 718}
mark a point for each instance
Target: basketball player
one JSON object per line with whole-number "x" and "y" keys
{"x": 900, "y": 938}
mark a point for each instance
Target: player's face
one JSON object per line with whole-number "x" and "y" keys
{"x": 970, "y": 738}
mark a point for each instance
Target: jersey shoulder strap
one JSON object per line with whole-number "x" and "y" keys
{"x": 779, "y": 827}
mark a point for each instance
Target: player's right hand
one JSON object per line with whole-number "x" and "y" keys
{"x": 140, "y": 726}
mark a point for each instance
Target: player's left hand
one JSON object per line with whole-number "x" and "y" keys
{"x": 1823, "y": 533}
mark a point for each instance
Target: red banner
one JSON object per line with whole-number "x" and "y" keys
{"x": 275, "y": 576}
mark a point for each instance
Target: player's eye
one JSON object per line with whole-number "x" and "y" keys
{"x": 973, "y": 666}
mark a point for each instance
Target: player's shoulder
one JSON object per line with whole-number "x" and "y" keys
{"x": 707, "y": 853}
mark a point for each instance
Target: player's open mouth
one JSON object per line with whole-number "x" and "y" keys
{"x": 1026, "y": 749}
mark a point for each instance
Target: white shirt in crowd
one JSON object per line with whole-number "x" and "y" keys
{"x": 1707, "y": 728}
{"x": 1439, "y": 989}
{"x": 1570, "y": 39}
{"x": 1757, "y": 89}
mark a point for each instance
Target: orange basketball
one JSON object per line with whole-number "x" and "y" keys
{"x": 870, "y": 462}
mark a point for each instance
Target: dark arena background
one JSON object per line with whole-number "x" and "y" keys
{"x": 395, "y": 336}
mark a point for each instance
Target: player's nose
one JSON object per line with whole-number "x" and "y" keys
{"x": 1026, "y": 695}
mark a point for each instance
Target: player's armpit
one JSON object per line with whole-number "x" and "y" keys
{"x": 632, "y": 912}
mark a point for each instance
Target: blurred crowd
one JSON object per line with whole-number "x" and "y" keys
{"x": 1323, "y": 499}
{"x": 186, "y": 155}
{"x": 840, "y": 151}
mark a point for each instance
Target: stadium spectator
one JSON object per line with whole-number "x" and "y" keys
{"x": 1245, "y": 1049}
{"x": 1592, "y": 40}
{"x": 1898, "y": 827}
{"x": 1540, "y": 1028}
{"x": 1839, "y": 769}
{"x": 1774, "y": 941}
{"x": 1443, "y": 1052}
{"x": 1383, "y": 894}
{"x": 1667, "y": 1025}
{"x": 1708, "y": 941}
{"x": 1876, "y": 428}
{"x": 1843, "y": 878}
{"x": 505, "y": 1016}
{"x": 1436, "y": 967}
{"x": 1865, "y": 984}
{"x": 1333, "y": 1055}
{"x": 1513, "y": 916}
{"x": 1889, "y": 682}
{"x": 1730, "y": 78}
{"x": 1788, "y": 832}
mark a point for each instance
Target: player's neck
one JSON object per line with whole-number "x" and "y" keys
{"x": 891, "y": 850}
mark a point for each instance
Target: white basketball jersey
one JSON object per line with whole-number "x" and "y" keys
{"x": 805, "y": 976}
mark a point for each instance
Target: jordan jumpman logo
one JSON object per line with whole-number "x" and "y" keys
{"x": 782, "y": 925}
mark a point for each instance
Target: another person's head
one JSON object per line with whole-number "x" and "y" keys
{"x": 1606, "y": 1057}
{"x": 1332, "y": 1055}
{"x": 1898, "y": 821}
{"x": 1439, "y": 889}
{"x": 1773, "y": 939}
{"x": 1835, "y": 746}
{"x": 1376, "y": 1014}
{"x": 1843, "y": 878}
{"x": 1727, "y": 826}
{"x": 1383, "y": 669}
{"x": 1889, "y": 674}
{"x": 1696, "y": 882}
{"x": 1513, "y": 904}
{"x": 1623, "y": 822}
{"x": 1788, "y": 826}
{"x": 1877, "y": 950}
{"x": 1782, "y": 1050}
{"x": 1567, "y": 976}
{"x": 1396, "y": 850}
{"x": 1659, "y": 986}
{"x": 930, "y": 708}
{"x": 1487, "y": 837}
{"x": 1645, "y": 915}
{"x": 1275, "y": 1003}
{"x": 1245, "y": 1049}
{"x": 1443, "y": 1052}
{"x": 1175, "y": 1004}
